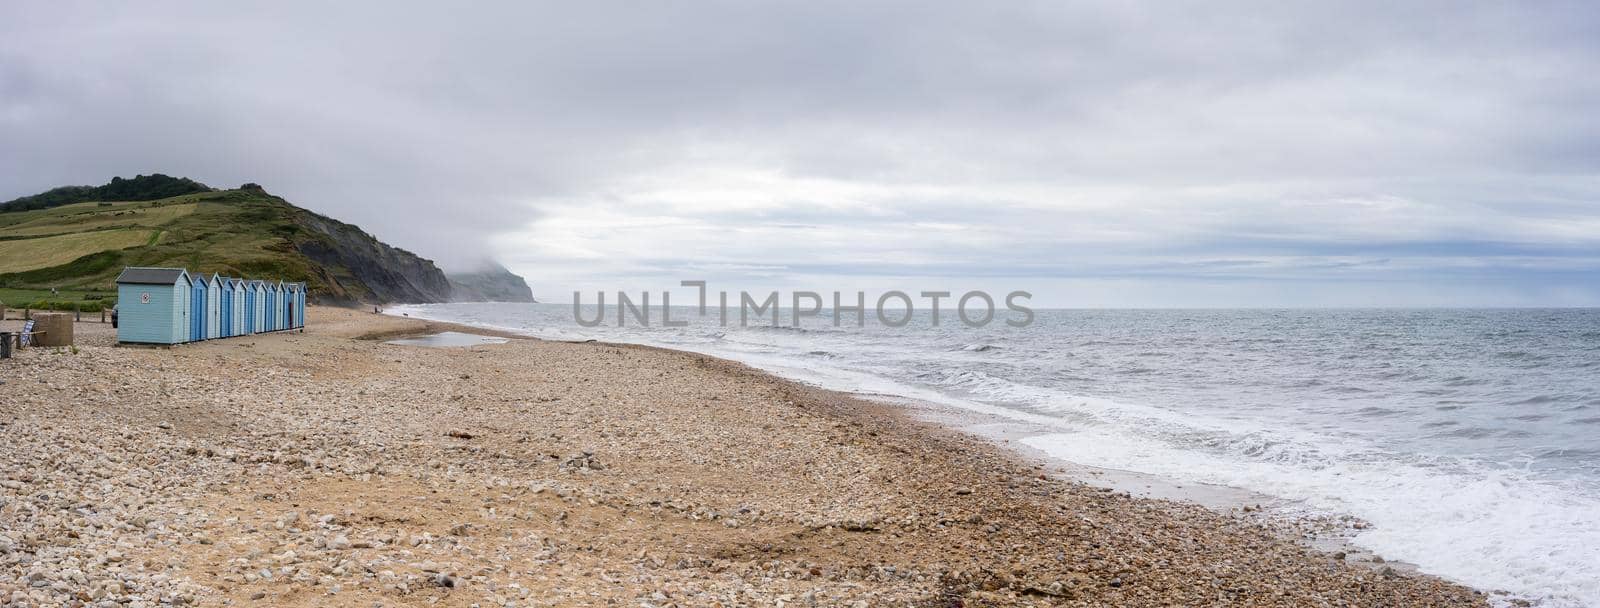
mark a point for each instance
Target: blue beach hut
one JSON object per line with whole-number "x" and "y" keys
{"x": 153, "y": 305}
{"x": 197, "y": 308}
{"x": 225, "y": 316}
{"x": 214, "y": 306}
{"x": 265, "y": 320}
{"x": 301, "y": 293}
{"x": 252, "y": 303}
{"x": 273, "y": 306}
{"x": 288, "y": 305}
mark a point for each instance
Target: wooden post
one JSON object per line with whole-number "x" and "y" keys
{"x": 5, "y": 345}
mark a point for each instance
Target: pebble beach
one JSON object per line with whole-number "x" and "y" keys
{"x": 332, "y": 468}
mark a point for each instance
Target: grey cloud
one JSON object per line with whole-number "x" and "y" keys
{"x": 1136, "y": 128}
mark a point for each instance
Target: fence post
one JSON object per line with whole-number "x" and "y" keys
{"x": 5, "y": 345}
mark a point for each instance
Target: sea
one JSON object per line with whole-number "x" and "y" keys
{"x": 1467, "y": 440}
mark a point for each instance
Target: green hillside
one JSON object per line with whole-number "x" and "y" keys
{"x": 77, "y": 249}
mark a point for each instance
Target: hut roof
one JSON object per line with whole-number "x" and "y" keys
{"x": 150, "y": 276}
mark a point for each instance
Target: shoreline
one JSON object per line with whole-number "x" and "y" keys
{"x": 1327, "y": 533}
{"x": 330, "y": 469}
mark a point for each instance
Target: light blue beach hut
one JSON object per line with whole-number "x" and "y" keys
{"x": 197, "y": 308}
{"x": 153, "y": 305}
{"x": 301, "y": 293}
{"x": 293, "y": 312}
{"x": 236, "y": 320}
{"x": 214, "y": 306}
{"x": 260, "y": 323}
{"x": 281, "y": 316}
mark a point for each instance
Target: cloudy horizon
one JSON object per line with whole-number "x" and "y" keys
{"x": 1430, "y": 154}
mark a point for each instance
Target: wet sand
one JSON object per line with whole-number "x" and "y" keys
{"x": 330, "y": 468}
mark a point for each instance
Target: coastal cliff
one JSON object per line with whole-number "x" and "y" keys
{"x": 364, "y": 269}
{"x": 490, "y": 282}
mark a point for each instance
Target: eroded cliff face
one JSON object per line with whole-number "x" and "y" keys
{"x": 358, "y": 268}
{"x": 491, "y": 282}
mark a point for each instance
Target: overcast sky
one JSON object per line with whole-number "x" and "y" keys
{"x": 1159, "y": 154}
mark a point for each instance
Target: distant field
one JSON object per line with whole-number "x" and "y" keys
{"x": 91, "y": 216}
{"x": 29, "y": 254}
{"x": 17, "y": 299}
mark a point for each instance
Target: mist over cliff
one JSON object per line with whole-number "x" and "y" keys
{"x": 489, "y": 282}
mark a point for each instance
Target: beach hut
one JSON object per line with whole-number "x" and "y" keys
{"x": 225, "y": 308}
{"x": 153, "y": 305}
{"x": 294, "y": 312}
{"x": 265, "y": 320}
{"x": 252, "y": 297}
{"x": 237, "y": 319}
{"x": 269, "y": 295}
{"x": 214, "y": 306}
{"x": 301, "y": 293}
{"x": 274, "y": 304}
{"x": 248, "y": 298}
{"x": 288, "y": 305}
{"x": 281, "y": 316}
{"x": 261, "y": 306}
{"x": 197, "y": 308}
{"x": 253, "y": 306}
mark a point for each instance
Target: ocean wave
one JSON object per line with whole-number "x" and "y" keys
{"x": 1537, "y": 400}
{"x": 790, "y": 329}
{"x": 1373, "y": 411}
{"x": 1536, "y": 537}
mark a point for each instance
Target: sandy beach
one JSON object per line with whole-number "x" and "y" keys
{"x": 329, "y": 468}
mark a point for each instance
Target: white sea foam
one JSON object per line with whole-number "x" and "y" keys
{"x": 1494, "y": 528}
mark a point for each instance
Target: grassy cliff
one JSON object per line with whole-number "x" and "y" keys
{"x": 76, "y": 249}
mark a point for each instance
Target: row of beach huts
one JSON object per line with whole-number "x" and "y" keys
{"x": 171, "y": 306}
